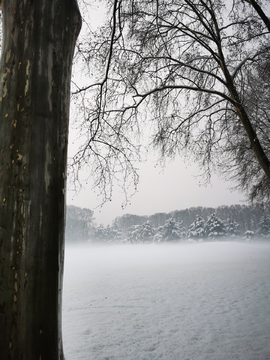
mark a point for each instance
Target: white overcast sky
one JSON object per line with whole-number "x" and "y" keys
{"x": 174, "y": 188}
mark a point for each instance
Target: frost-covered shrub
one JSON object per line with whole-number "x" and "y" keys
{"x": 249, "y": 234}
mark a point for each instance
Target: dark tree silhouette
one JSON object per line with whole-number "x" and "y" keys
{"x": 37, "y": 51}
{"x": 189, "y": 69}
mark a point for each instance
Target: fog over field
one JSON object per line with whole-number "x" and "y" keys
{"x": 196, "y": 301}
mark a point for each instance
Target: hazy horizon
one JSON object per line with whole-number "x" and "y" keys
{"x": 176, "y": 187}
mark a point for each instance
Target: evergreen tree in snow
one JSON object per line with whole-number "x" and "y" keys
{"x": 115, "y": 234}
{"x": 147, "y": 231}
{"x": 264, "y": 226}
{"x": 132, "y": 233}
{"x": 215, "y": 227}
{"x": 158, "y": 235}
{"x": 144, "y": 232}
{"x": 196, "y": 229}
{"x": 170, "y": 231}
{"x": 232, "y": 228}
{"x": 101, "y": 234}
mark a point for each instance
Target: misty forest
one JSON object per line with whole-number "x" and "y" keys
{"x": 133, "y": 79}
{"x": 236, "y": 222}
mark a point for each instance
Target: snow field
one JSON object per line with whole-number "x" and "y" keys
{"x": 199, "y": 301}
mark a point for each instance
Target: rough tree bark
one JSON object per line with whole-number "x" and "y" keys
{"x": 38, "y": 45}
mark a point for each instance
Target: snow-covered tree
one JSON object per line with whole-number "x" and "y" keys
{"x": 101, "y": 234}
{"x": 144, "y": 232}
{"x": 106, "y": 234}
{"x": 114, "y": 233}
{"x": 215, "y": 227}
{"x": 158, "y": 235}
{"x": 232, "y": 228}
{"x": 170, "y": 231}
{"x": 196, "y": 229}
{"x": 132, "y": 233}
{"x": 264, "y": 226}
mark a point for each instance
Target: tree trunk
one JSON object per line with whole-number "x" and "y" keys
{"x": 38, "y": 45}
{"x": 255, "y": 143}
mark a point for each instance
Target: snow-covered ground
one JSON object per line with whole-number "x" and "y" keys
{"x": 203, "y": 301}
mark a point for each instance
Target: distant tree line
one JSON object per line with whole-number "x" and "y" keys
{"x": 193, "y": 224}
